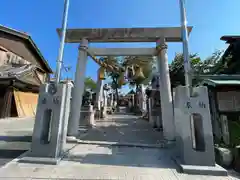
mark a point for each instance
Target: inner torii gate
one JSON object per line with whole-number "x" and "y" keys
{"x": 161, "y": 36}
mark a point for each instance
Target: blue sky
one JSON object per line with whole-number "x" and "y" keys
{"x": 40, "y": 18}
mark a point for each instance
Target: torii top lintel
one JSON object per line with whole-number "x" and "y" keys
{"x": 171, "y": 34}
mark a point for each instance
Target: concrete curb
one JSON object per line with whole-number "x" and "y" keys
{"x": 71, "y": 139}
{"x": 11, "y": 119}
{"x": 200, "y": 170}
{"x": 19, "y": 158}
{"x": 14, "y": 160}
{"x": 104, "y": 143}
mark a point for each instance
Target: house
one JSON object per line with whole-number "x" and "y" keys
{"x": 224, "y": 101}
{"x": 22, "y": 70}
{"x": 229, "y": 63}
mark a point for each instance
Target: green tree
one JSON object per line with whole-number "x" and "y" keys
{"x": 90, "y": 83}
{"x": 198, "y": 67}
{"x": 228, "y": 63}
{"x": 176, "y": 68}
{"x": 209, "y": 65}
{"x": 114, "y": 75}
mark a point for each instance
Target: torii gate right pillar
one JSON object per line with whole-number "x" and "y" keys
{"x": 165, "y": 89}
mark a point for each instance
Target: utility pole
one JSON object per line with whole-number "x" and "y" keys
{"x": 187, "y": 63}
{"x": 62, "y": 43}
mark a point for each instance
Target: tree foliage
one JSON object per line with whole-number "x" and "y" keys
{"x": 114, "y": 75}
{"x": 89, "y": 83}
{"x": 176, "y": 68}
{"x": 198, "y": 67}
{"x": 229, "y": 62}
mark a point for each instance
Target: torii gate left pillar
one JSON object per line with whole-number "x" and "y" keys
{"x": 78, "y": 89}
{"x": 166, "y": 93}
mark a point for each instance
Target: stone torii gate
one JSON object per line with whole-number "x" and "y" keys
{"x": 191, "y": 127}
{"x": 161, "y": 36}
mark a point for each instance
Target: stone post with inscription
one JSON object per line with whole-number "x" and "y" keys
{"x": 155, "y": 103}
{"x": 99, "y": 94}
{"x": 49, "y": 133}
{"x": 103, "y": 111}
{"x": 143, "y": 103}
{"x": 67, "y": 108}
{"x": 111, "y": 99}
{"x": 194, "y": 132}
{"x": 87, "y": 111}
{"x": 98, "y": 98}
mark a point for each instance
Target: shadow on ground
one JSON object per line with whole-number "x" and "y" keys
{"x": 122, "y": 156}
{"x": 16, "y": 138}
{"x": 13, "y": 146}
{"x": 234, "y": 174}
{"x": 122, "y": 130}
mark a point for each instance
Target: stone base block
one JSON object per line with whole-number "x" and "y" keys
{"x": 224, "y": 157}
{"x": 109, "y": 110}
{"x": 103, "y": 113}
{"x": 97, "y": 114}
{"x": 40, "y": 160}
{"x": 87, "y": 116}
{"x": 71, "y": 139}
{"x": 201, "y": 170}
{"x": 117, "y": 109}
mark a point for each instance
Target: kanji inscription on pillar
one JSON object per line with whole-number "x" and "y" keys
{"x": 188, "y": 105}
{"x": 56, "y": 100}
{"x": 44, "y": 101}
{"x": 202, "y": 105}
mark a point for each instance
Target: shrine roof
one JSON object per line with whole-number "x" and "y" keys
{"x": 171, "y": 34}
{"x": 230, "y": 39}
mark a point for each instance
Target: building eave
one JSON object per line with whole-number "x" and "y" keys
{"x": 27, "y": 38}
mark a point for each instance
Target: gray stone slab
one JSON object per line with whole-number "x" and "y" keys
{"x": 139, "y": 145}
{"x": 201, "y": 170}
{"x": 15, "y": 138}
{"x": 71, "y": 139}
{"x": 28, "y": 158}
{"x": 40, "y": 160}
{"x": 172, "y": 34}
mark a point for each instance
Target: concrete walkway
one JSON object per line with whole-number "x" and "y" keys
{"x": 106, "y": 152}
{"x": 15, "y": 137}
{"x": 123, "y": 129}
